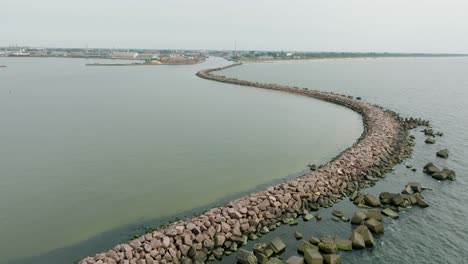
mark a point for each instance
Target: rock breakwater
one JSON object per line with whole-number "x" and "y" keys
{"x": 384, "y": 143}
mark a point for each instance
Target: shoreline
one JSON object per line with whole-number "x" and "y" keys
{"x": 251, "y": 61}
{"x": 144, "y": 64}
{"x": 383, "y": 144}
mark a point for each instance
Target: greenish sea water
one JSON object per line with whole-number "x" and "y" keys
{"x": 88, "y": 154}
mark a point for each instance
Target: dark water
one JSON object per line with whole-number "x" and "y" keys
{"x": 89, "y": 153}
{"x": 430, "y": 88}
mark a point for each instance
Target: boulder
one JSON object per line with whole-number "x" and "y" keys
{"x": 313, "y": 257}
{"x": 313, "y": 240}
{"x": 327, "y": 239}
{"x": 253, "y": 236}
{"x": 420, "y": 201}
{"x": 327, "y": 248}
{"x": 344, "y": 244}
{"x": 359, "y": 199}
{"x": 429, "y": 140}
{"x": 415, "y": 186}
{"x": 376, "y": 214}
{"x": 218, "y": 253}
{"x": 246, "y": 257}
{"x": 385, "y": 197}
{"x": 397, "y": 200}
{"x": 293, "y": 222}
{"x": 371, "y": 200}
{"x": 259, "y": 247}
{"x": 337, "y": 213}
{"x": 332, "y": 259}
{"x": 366, "y": 235}
{"x": 201, "y": 257}
{"x": 303, "y": 245}
{"x": 390, "y": 213}
{"x": 375, "y": 226}
{"x": 428, "y": 132}
{"x": 295, "y": 260}
{"x": 297, "y": 235}
{"x": 357, "y": 241}
{"x": 277, "y": 245}
{"x": 262, "y": 258}
{"x": 308, "y": 217}
{"x": 312, "y": 167}
{"x": 444, "y": 174}
{"x": 358, "y": 217}
{"x": 444, "y": 153}
{"x": 430, "y": 168}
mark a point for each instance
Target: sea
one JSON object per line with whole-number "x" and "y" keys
{"x": 92, "y": 155}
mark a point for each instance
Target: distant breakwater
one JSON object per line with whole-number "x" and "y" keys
{"x": 384, "y": 143}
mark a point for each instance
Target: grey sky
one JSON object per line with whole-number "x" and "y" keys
{"x": 326, "y": 25}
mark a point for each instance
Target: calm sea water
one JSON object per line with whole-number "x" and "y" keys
{"x": 87, "y": 154}
{"x": 431, "y": 88}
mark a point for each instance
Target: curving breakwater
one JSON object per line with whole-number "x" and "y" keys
{"x": 383, "y": 144}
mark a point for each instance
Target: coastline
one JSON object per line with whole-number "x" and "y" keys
{"x": 383, "y": 144}
{"x": 144, "y": 64}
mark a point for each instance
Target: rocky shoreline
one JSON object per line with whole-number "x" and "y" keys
{"x": 384, "y": 143}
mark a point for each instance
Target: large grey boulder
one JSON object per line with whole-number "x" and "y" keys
{"x": 332, "y": 259}
{"x": 428, "y": 132}
{"x": 344, "y": 244}
{"x": 246, "y": 257}
{"x": 304, "y": 245}
{"x": 375, "y": 226}
{"x": 328, "y": 248}
{"x": 390, "y": 213}
{"x": 416, "y": 187}
{"x": 429, "y": 140}
{"x": 444, "y": 174}
{"x": 313, "y": 257}
{"x": 366, "y": 235}
{"x": 385, "y": 197}
{"x": 357, "y": 241}
{"x": 337, "y": 213}
{"x": 358, "y": 217}
{"x": 376, "y": 214}
{"x": 371, "y": 200}
{"x": 277, "y": 245}
{"x": 444, "y": 153}
{"x": 430, "y": 168}
{"x": 397, "y": 199}
{"x": 420, "y": 201}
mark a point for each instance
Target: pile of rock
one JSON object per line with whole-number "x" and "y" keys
{"x": 438, "y": 174}
{"x": 415, "y": 122}
{"x": 313, "y": 251}
{"x": 392, "y": 202}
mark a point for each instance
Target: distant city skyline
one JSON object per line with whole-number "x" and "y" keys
{"x": 422, "y": 26}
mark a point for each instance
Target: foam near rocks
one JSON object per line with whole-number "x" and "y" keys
{"x": 381, "y": 146}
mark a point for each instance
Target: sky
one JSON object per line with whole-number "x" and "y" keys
{"x": 439, "y": 26}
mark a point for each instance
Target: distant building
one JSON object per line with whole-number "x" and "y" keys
{"x": 57, "y": 53}
{"x": 146, "y": 56}
{"x": 265, "y": 57}
{"x": 124, "y": 55}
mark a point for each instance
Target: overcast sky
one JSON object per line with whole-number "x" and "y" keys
{"x": 325, "y": 25}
